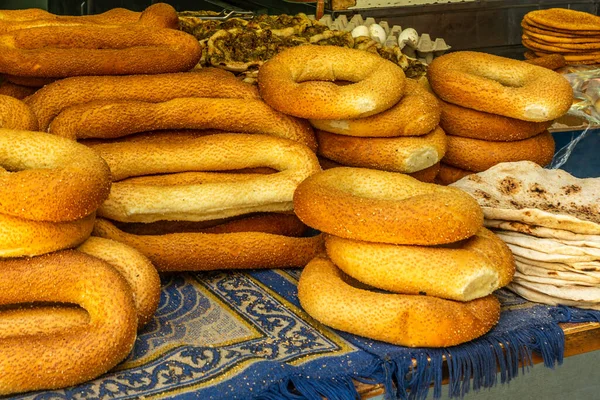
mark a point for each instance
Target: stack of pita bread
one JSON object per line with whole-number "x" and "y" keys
{"x": 574, "y": 34}
{"x": 551, "y": 222}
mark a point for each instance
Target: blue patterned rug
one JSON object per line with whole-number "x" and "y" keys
{"x": 243, "y": 335}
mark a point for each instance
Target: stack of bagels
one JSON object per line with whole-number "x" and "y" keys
{"x": 495, "y": 110}
{"x": 575, "y": 35}
{"x": 424, "y": 244}
{"x": 550, "y": 221}
{"x": 360, "y": 124}
{"x": 50, "y": 189}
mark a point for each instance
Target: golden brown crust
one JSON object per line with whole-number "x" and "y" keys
{"x": 207, "y": 251}
{"x": 67, "y": 357}
{"x": 299, "y": 81}
{"x": 55, "y": 179}
{"x": 17, "y": 91}
{"x": 24, "y": 237}
{"x": 478, "y": 155}
{"x": 406, "y": 320}
{"x": 28, "y": 81}
{"x": 386, "y": 207}
{"x": 499, "y": 85}
{"x": 465, "y": 122}
{"x": 49, "y": 101}
{"x": 417, "y": 113}
{"x": 137, "y": 270}
{"x": 469, "y": 269}
{"x": 134, "y": 202}
{"x": 112, "y": 119}
{"x": 406, "y": 154}
{"x": 449, "y": 174}
{"x": 96, "y": 50}
{"x": 14, "y": 114}
{"x": 564, "y": 19}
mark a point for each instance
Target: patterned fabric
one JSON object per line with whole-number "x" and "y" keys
{"x": 243, "y": 335}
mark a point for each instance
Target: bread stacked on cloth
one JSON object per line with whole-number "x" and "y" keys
{"x": 495, "y": 110}
{"x": 551, "y": 222}
{"x": 406, "y": 262}
{"x": 71, "y": 303}
{"x": 573, "y": 34}
{"x": 366, "y": 112}
{"x": 203, "y": 170}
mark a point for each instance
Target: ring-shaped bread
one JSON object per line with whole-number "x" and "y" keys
{"x": 193, "y": 251}
{"x": 478, "y": 155}
{"x": 469, "y": 269}
{"x": 465, "y": 122}
{"x": 17, "y": 91}
{"x": 67, "y": 357}
{"x": 50, "y": 100}
{"x": 327, "y": 295}
{"x": 134, "y": 202}
{"x": 49, "y": 178}
{"x": 417, "y": 113}
{"x": 499, "y": 85}
{"x": 448, "y": 174}
{"x": 113, "y": 119}
{"x": 387, "y": 207}
{"x": 299, "y": 81}
{"x": 14, "y": 114}
{"x": 406, "y": 154}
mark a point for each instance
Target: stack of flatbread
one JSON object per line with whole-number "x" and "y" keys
{"x": 551, "y": 222}
{"x": 574, "y": 34}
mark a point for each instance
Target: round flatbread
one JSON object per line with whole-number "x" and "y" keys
{"x": 543, "y": 232}
{"x": 540, "y": 297}
{"x": 585, "y": 294}
{"x": 545, "y": 38}
{"x": 549, "y": 246}
{"x": 584, "y": 267}
{"x": 564, "y": 19}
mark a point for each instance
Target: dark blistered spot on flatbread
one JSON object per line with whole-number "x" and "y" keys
{"x": 510, "y": 186}
{"x": 585, "y": 211}
{"x": 475, "y": 178}
{"x": 591, "y": 269}
{"x": 537, "y": 190}
{"x": 527, "y": 213}
{"x": 552, "y": 273}
{"x": 571, "y": 189}
{"x": 516, "y": 205}
{"x": 482, "y": 195}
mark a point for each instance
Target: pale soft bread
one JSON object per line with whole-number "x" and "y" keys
{"x": 137, "y": 270}
{"x": 24, "y": 237}
{"x": 449, "y": 174}
{"x": 417, "y": 113}
{"x": 479, "y": 155}
{"x": 590, "y": 267}
{"x": 14, "y": 114}
{"x": 498, "y": 85}
{"x": 542, "y": 232}
{"x": 386, "y": 207}
{"x": 469, "y": 269}
{"x": 407, "y": 320}
{"x": 551, "y": 246}
{"x": 585, "y": 294}
{"x": 68, "y": 357}
{"x": 525, "y": 192}
{"x": 538, "y": 296}
{"x": 465, "y": 122}
{"x": 110, "y": 119}
{"x": 549, "y": 257}
{"x": 406, "y": 154}
{"x": 52, "y": 179}
{"x": 49, "y": 101}
{"x": 299, "y": 81}
{"x": 563, "y": 274}
{"x": 149, "y": 203}
{"x": 217, "y": 251}
{"x": 566, "y": 19}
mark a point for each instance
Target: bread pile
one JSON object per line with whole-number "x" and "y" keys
{"x": 420, "y": 267}
{"x": 551, "y": 222}
{"x": 573, "y": 34}
{"x": 480, "y": 137}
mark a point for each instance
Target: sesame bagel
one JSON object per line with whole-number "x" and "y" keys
{"x": 478, "y": 155}
{"x": 465, "y": 122}
{"x": 14, "y": 114}
{"x": 404, "y": 154}
{"x": 67, "y": 357}
{"x": 299, "y": 81}
{"x": 469, "y": 269}
{"x": 417, "y": 113}
{"x": 386, "y": 207}
{"x": 449, "y": 174}
{"x": 407, "y": 320}
{"x": 498, "y": 85}
{"x": 50, "y": 178}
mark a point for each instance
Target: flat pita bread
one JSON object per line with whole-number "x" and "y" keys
{"x": 551, "y": 38}
{"x": 538, "y": 255}
{"x": 585, "y": 294}
{"x": 542, "y": 232}
{"x": 552, "y": 32}
{"x": 589, "y": 267}
{"x": 554, "y": 48}
{"x": 555, "y": 280}
{"x": 559, "y": 276}
{"x": 549, "y": 246}
{"x": 564, "y": 19}
{"x": 583, "y": 47}
{"x": 525, "y": 192}
{"x": 540, "y": 297}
